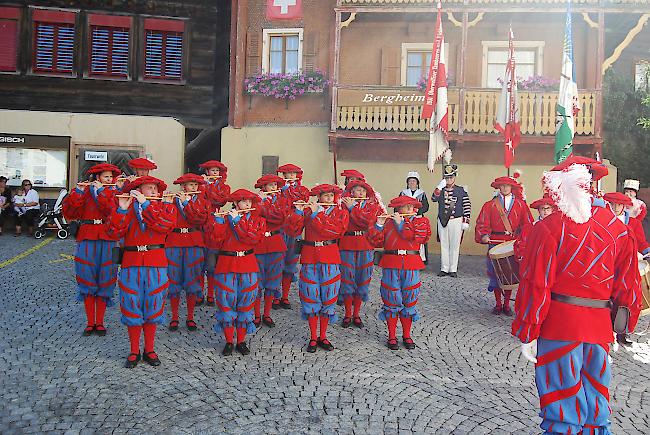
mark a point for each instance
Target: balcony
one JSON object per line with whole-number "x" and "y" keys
{"x": 398, "y": 110}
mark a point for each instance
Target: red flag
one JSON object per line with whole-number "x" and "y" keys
{"x": 283, "y": 9}
{"x": 507, "y": 122}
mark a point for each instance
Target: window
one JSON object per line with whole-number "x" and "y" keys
{"x": 8, "y": 38}
{"x": 642, "y": 75}
{"x": 54, "y": 34}
{"x": 282, "y": 51}
{"x": 163, "y": 49}
{"x": 110, "y": 42}
{"x": 416, "y": 59}
{"x": 529, "y": 57}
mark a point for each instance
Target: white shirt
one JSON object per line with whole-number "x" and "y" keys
{"x": 508, "y": 200}
{"x": 32, "y": 196}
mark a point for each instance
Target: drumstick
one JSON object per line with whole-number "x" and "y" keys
{"x": 244, "y": 210}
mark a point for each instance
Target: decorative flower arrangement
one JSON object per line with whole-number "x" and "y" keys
{"x": 286, "y": 86}
{"x": 421, "y": 85}
{"x": 536, "y": 83}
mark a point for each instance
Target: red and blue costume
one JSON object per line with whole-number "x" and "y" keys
{"x": 236, "y": 271}
{"x": 143, "y": 280}
{"x": 357, "y": 254}
{"x": 572, "y": 323}
{"x": 95, "y": 271}
{"x": 320, "y": 275}
{"x": 291, "y": 192}
{"x": 490, "y": 222}
{"x": 185, "y": 247}
{"x": 401, "y": 264}
{"x": 271, "y": 250}
{"x": 633, "y": 224}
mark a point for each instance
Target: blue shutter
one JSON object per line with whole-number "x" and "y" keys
{"x": 164, "y": 55}
{"x": 44, "y": 46}
{"x": 120, "y": 55}
{"x": 153, "y": 54}
{"x": 65, "y": 48}
{"x": 109, "y": 51}
{"x": 54, "y": 47}
{"x": 99, "y": 50}
{"x": 174, "y": 56}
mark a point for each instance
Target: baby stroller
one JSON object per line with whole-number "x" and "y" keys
{"x": 53, "y": 220}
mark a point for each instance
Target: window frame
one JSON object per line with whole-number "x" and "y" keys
{"x": 266, "y": 46}
{"x": 408, "y": 47}
{"x": 487, "y": 45}
{"x": 32, "y": 41}
{"x": 13, "y": 13}
{"x": 88, "y": 49}
{"x": 142, "y": 50}
{"x": 635, "y": 63}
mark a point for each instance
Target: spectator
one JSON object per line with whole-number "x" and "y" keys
{"x": 5, "y": 202}
{"x": 31, "y": 206}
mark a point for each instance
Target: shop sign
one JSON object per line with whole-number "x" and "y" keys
{"x": 96, "y": 156}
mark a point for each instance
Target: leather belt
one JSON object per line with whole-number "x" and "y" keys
{"x": 401, "y": 252}
{"x": 235, "y": 253}
{"x": 184, "y": 230}
{"x": 355, "y": 233}
{"x": 319, "y": 244}
{"x": 581, "y": 302}
{"x": 271, "y": 233}
{"x": 500, "y": 233}
{"x": 143, "y": 248}
{"x": 91, "y": 221}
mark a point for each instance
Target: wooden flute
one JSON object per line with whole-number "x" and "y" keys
{"x": 224, "y": 213}
{"x": 401, "y": 214}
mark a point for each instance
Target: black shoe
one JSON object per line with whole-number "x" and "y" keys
{"x": 210, "y": 303}
{"x": 284, "y": 304}
{"x": 88, "y": 331}
{"x": 132, "y": 360}
{"x": 347, "y": 321}
{"x": 199, "y": 302}
{"x": 151, "y": 358}
{"x": 268, "y": 321}
{"x": 242, "y": 348}
{"x": 173, "y": 325}
{"x": 496, "y": 310}
{"x": 392, "y": 344}
{"x": 624, "y": 339}
{"x": 257, "y": 322}
{"x": 408, "y": 343}
{"x": 191, "y": 325}
{"x": 453, "y": 274}
{"x": 100, "y": 330}
{"x": 507, "y": 311}
{"x": 311, "y": 347}
{"x": 325, "y": 344}
{"x": 441, "y": 273}
{"x": 276, "y": 304}
{"x": 356, "y": 321}
{"x": 227, "y": 349}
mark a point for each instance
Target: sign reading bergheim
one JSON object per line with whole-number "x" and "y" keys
{"x": 96, "y": 156}
{"x": 379, "y": 97}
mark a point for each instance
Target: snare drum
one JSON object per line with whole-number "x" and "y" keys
{"x": 644, "y": 271}
{"x": 506, "y": 268}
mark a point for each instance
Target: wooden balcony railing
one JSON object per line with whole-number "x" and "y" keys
{"x": 478, "y": 113}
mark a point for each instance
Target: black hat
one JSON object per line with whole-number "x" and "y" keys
{"x": 450, "y": 171}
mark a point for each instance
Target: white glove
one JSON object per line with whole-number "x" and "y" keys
{"x": 465, "y": 226}
{"x": 441, "y": 185}
{"x": 529, "y": 351}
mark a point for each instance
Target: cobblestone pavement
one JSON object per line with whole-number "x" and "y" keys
{"x": 466, "y": 376}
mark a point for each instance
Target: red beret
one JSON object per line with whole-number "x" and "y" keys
{"x": 189, "y": 178}
{"x": 598, "y": 169}
{"x": 146, "y": 179}
{"x": 544, "y": 201}
{"x": 618, "y": 198}
{"x": 354, "y": 183}
{"x": 325, "y": 188}
{"x": 213, "y": 164}
{"x": 404, "y": 200}
{"x": 269, "y": 178}
{"x": 103, "y": 167}
{"x": 142, "y": 163}
{"x": 289, "y": 167}
{"x": 242, "y": 194}
{"x": 353, "y": 173}
{"x": 511, "y": 181}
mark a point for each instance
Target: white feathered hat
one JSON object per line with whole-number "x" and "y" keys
{"x": 632, "y": 184}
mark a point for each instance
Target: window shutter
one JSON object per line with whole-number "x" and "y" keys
{"x": 310, "y": 52}
{"x": 253, "y": 54}
{"x": 174, "y": 56}
{"x": 390, "y": 66}
{"x": 153, "y": 57}
{"x": 164, "y": 40}
{"x": 110, "y": 42}
{"x": 8, "y": 42}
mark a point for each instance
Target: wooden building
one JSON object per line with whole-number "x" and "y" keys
{"x": 375, "y": 51}
{"x": 154, "y": 62}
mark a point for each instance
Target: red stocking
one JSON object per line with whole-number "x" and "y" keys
{"x": 406, "y": 326}
{"x": 268, "y": 302}
{"x": 497, "y": 297}
{"x": 229, "y": 333}
{"x": 347, "y": 303}
{"x": 324, "y": 321}
{"x": 191, "y": 303}
{"x": 134, "y": 338}
{"x": 241, "y": 335}
{"x": 506, "y": 298}
{"x": 391, "y": 322}
{"x": 257, "y": 307}
{"x": 149, "y": 336}
{"x": 357, "y": 305}
{"x": 175, "y": 302}
{"x": 313, "y": 327}
{"x": 100, "y": 310}
{"x": 210, "y": 287}
{"x": 89, "y": 305}
{"x": 286, "y": 285}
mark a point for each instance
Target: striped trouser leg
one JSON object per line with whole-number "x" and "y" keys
{"x": 399, "y": 291}
{"x": 270, "y": 274}
{"x": 319, "y": 286}
{"x": 96, "y": 274}
{"x": 143, "y": 291}
{"x": 235, "y": 297}
{"x": 356, "y": 272}
{"x": 291, "y": 257}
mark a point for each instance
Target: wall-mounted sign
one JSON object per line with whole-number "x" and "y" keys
{"x": 96, "y": 156}
{"x": 380, "y": 97}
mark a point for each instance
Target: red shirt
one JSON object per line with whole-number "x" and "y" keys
{"x": 239, "y": 234}
{"x": 489, "y": 220}
{"x": 217, "y": 192}
{"x": 158, "y": 219}
{"x": 639, "y": 235}
{"x": 595, "y": 260}
{"x": 84, "y": 205}
{"x": 362, "y": 216}
{"x": 190, "y": 218}
{"x": 273, "y": 209}
{"x": 409, "y": 235}
{"x": 321, "y": 226}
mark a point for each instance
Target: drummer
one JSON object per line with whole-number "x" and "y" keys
{"x": 501, "y": 219}
{"x": 544, "y": 206}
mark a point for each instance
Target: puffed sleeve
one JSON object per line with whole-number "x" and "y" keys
{"x": 417, "y": 229}
{"x": 330, "y": 226}
{"x": 364, "y": 217}
{"x": 196, "y": 211}
{"x": 159, "y": 217}
{"x": 106, "y": 200}
{"x": 73, "y": 204}
{"x": 295, "y": 222}
{"x": 483, "y": 226}
{"x": 118, "y": 223}
{"x": 626, "y": 290}
{"x": 248, "y": 230}
{"x": 375, "y": 235}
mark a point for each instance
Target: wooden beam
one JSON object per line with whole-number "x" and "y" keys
{"x": 454, "y": 137}
{"x": 643, "y": 19}
{"x": 461, "y": 96}
{"x": 498, "y": 8}
{"x": 335, "y": 71}
{"x": 600, "y": 54}
{"x": 241, "y": 27}
{"x": 233, "y": 64}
